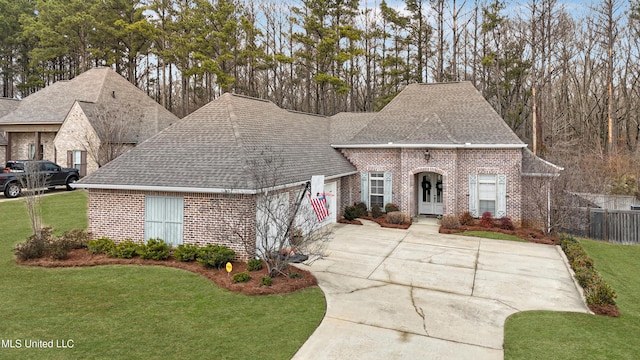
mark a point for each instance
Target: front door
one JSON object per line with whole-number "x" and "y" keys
{"x": 430, "y": 193}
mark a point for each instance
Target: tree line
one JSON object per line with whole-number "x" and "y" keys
{"x": 564, "y": 79}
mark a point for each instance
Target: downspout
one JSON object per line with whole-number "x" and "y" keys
{"x": 548, "y": 207}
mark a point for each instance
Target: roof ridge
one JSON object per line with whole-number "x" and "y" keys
{"x": 233, "y": 121}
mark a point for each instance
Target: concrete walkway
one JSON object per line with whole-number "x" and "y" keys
{"x": 418, "y": 294}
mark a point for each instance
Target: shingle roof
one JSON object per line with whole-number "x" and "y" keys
{"x": 3, "y": 140}
{"x": 232, "y": 143}
{"x": 535, "y": 166}
{"x": 7, "y": 105}
{"x": 432, "y": 114}
{"x": 99, "y": 85}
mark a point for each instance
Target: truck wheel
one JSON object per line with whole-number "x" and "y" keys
{"x": 70, "y": 181}
{"x": 12, "y": 190}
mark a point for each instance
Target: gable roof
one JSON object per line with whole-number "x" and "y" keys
{"x": 430, "y": 115}
{"x": 235, "y": 144}
{"x": 7, "y": 105}
{"x": 535, "y": 166}
{"x": 98, "y": 85}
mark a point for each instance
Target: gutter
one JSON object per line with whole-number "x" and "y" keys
{"x": 184, "y": 189}
{"x": 429, "y": 146}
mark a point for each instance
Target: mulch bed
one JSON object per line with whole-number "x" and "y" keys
{"x": 281, "y": 284}
{"x": 527, "y": 234}
{"x": 382, "y": 221}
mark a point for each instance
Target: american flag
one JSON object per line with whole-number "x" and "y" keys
{"x": 319, "y": 205}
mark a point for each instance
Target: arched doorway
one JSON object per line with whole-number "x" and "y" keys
{"x": 430, "y": 193}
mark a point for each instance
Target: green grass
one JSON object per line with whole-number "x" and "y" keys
{"x": 492, "y": 235}
{"x": 551, "y": 335}
{"x": 137, "y": 312}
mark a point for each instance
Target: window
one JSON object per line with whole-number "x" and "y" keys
{"x": 488, "y": 193}
{"x": 376, "y": 190}
{"x": 163, "y": 218}
{"x": 77, "y": 159}
{"x": 32, "y": 152}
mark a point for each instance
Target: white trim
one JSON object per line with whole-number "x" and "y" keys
{"x": 430, "y": 146}
{"x": 183, "y": 189}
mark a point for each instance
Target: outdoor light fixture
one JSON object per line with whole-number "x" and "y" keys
{"x": 427, "y": 156}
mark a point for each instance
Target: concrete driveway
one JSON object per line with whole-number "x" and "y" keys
{"x": 418, "y": 294}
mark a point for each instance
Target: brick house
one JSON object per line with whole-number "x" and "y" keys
{"x": 435, "y": 149}
{"x": 72, "y": 122}
{"x": 6, "y": 106}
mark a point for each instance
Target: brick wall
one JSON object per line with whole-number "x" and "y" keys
{"x": 455, "y": 166}
{"x": 20, "y": 145}
{"x": 535, "y": 201}
{"x": 76, "y": 134}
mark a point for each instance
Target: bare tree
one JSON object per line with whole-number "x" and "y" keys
{"x": 33, "y": 182}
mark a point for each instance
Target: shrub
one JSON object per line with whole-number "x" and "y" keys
{"x": 506, "y": 224}
{"x": 351, "y": 212}
{"x": 254, "y": 265}
{"x": 185, "y": 252}
{"x": 295, "y": 275}
{"x": 362, "y": 209}
{"x": 376, "y": 212}
{"x": 77, "y": 238}
{"x": 266, "y": 281}
{"x": 397, "y": 217}
{"x": 215, "y": 255}
{"x": 59, "y": 248}
{"x": 600, "y": 294}
{"x": 102, "y": 245}
{"x": 155, "y": 249}
{"x": 241, "y": 277}
{"x": 126, "y": 249}
{"x": 450, "y": 222}
{"x": 486, "y": 220}
{"x": 586, "y": 277}
{"x": 35, "y": 246}
{"x": 466, "y": 219}
{"x": 391, "y": 208}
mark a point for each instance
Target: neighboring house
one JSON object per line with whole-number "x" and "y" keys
{"x": 6, "y": 106}
{"x": 435, "y": 149}
{"x": 71, "y": 122}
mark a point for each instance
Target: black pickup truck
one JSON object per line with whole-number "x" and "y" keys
{"x": 14, "y": 176}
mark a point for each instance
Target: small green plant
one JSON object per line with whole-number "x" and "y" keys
{"x": 295, "y": 275}
{"x": 450, "y": 222}
{"x": 266, "y": 281}
{"x": 126, "y": 249}
{"x": 241, "y": 277}
{"x": 155, "y": 249}
{"x": 35, "y": 246}
{"x": 391, "y": 208}
{"x": 487, "y": 220}
{"x": 362, "y": 209}
{"x": 376, "y": 212}
{"x": 254, "y": 265}
{"x": 186, "y": 252}
{"x": 466, "y": 219}
{"x": 600, "y": 294}
{"x": 102, "y": 245}
{"x": 351, "y": 213}
{"x": 215, "y": 255}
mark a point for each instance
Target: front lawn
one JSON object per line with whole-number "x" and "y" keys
{"x": 491, "y": 235}
{"x": 136, "y": 312}
{"x": 552, "y": 335}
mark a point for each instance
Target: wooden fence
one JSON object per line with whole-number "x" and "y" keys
{"x": 616, "y": 226}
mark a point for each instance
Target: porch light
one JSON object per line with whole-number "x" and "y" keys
{"x": 427, "y": 155}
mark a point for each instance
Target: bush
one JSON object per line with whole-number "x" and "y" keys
{"x": 362, "y": 209}
{"x": 266, "y": 281}
{"x": 126, "y": 249}
{"x": 450, "y": 222}
{"x": 391, "y": 208}
{"x": 587, "y": 277}
{"x": 506, "y": 224}
{"x": 600, "y": 294}
{"x": 351, "y": 212}
{"x": 241, "y": 277}
{"x": 59, "y": 248}
{"x": 155, "y": 249}
{"x": 35, "y": 246}
{"x": 215, "y": 255}
{"x": 102, "y": 245}
{"x": 295, "y": 275}
{"x": 186, "y": 252}
{"x": 466, "y": 219}
{"x": 487, "y": 220}
{"x": 397, "y": 217}
{"x": 77, "y": 238}
{"x": 376, "y": 212}
{"x": 254, "y": 265}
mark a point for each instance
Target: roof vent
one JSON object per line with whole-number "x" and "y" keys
{"x": 113, "y": 94}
